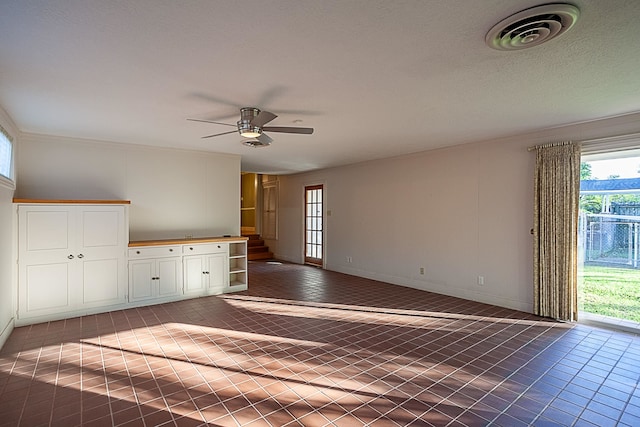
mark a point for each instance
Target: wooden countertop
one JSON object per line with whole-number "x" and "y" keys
{"x": 163, "y": 242}
{"x": 78, "y": 202}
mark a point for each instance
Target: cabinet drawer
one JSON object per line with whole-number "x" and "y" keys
{"x": 153, "y": 251}
{"x": 204, "y": 248}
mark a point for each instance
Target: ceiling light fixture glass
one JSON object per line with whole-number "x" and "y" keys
{"x": 250, "y": 134}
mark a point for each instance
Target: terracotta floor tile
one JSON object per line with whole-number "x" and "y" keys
{"x": 305, "y": 346}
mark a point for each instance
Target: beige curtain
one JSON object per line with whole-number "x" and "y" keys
{"x": 555, "y": 232}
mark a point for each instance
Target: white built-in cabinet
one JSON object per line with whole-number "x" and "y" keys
{"x": 161, "y": 271}
{"x": 75, "y": 258}
{"x": 71, "y": 257}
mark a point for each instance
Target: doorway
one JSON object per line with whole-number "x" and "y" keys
{"x": 248, "y": 202}
{"x": 609, "y": 239}
{"x": 313, "y": 228}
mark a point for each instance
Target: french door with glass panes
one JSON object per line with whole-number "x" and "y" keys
{"x": 313, "y": 235}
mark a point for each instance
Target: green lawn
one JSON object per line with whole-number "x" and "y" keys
{"x": 610, "y": 291}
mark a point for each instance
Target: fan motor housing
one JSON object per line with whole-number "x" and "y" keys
{"x": 247, "y": 114}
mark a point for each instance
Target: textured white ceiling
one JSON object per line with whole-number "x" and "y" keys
{"x": 375, "y": 78}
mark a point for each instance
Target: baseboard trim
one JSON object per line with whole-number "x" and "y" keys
{"x": 439, "y": 288}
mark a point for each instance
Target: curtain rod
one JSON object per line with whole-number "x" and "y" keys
{"x": 592, "y": 141}
{"x": 550, "y": 144}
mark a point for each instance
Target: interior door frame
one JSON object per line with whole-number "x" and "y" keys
{"x": 318, "y": 262}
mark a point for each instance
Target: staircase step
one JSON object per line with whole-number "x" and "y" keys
{"x": 256, "y": 250}
{"x": 252, "y": 236}
{"x": 259, "y": 255}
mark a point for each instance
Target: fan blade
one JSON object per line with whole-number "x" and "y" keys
{"x": 210, "y": 121}
{"x": 263, "y": 118}
{"x": 265, "y": 139}
{"x": 270, "y": 94}
{"x": 284, "y": 129}
{"x": 218, "y": 134}
{"x": 299, "y": 112}
{"x": 215, "y": 99}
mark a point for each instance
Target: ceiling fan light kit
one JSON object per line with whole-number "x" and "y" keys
{"x": 252, "y": 125}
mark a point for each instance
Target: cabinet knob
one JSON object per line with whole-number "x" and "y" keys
{"x": 171, "y": 250}
{"x": 219, "y": 246}
{"x": 190, "y": 249}
{"x": 80, "y": 256}
{"x": 70, "y": 257}
{"x": 138, "y": 252}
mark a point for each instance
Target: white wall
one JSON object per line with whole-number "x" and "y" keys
{"x": 7, "y": 298}
{"x": 7, "y": 271}
{"x": 173, "y": 193}
{"x": 459, "y": 212}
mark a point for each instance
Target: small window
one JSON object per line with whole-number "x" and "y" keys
{"x": 6, "y": 158}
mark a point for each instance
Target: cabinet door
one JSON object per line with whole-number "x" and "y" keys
{"x": 141, "y": 279}
{"x": 45, "y": 289}
{"x": 102, "y": 282}
{"x": 217, "y": 273}
{"x": 101, "y": 231}
{"x": 195, "y": 276}
{"x": 46, "y": 255}
{"x": 101, "y": 246}
{"x": 169, "y": 274}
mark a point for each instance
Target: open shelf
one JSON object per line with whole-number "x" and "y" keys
{"x": 238, "y": 264}
{"x": 238, "y": 279}
{"x": 238, "y": 249}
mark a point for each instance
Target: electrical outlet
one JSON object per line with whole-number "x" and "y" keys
{"x": 349, "y": 259}
{"x": 422, "y": 270}
{"x": 480, "y": 280}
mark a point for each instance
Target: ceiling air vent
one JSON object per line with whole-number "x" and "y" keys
{"x": 532, "y": 27}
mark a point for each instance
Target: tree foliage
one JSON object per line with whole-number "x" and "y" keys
{"x": 592, "y": 203}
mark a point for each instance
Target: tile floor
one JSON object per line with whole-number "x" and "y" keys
{"x": 307, "y": 347}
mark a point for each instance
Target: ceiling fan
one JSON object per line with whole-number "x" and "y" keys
{"x": 252, "y": 125}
